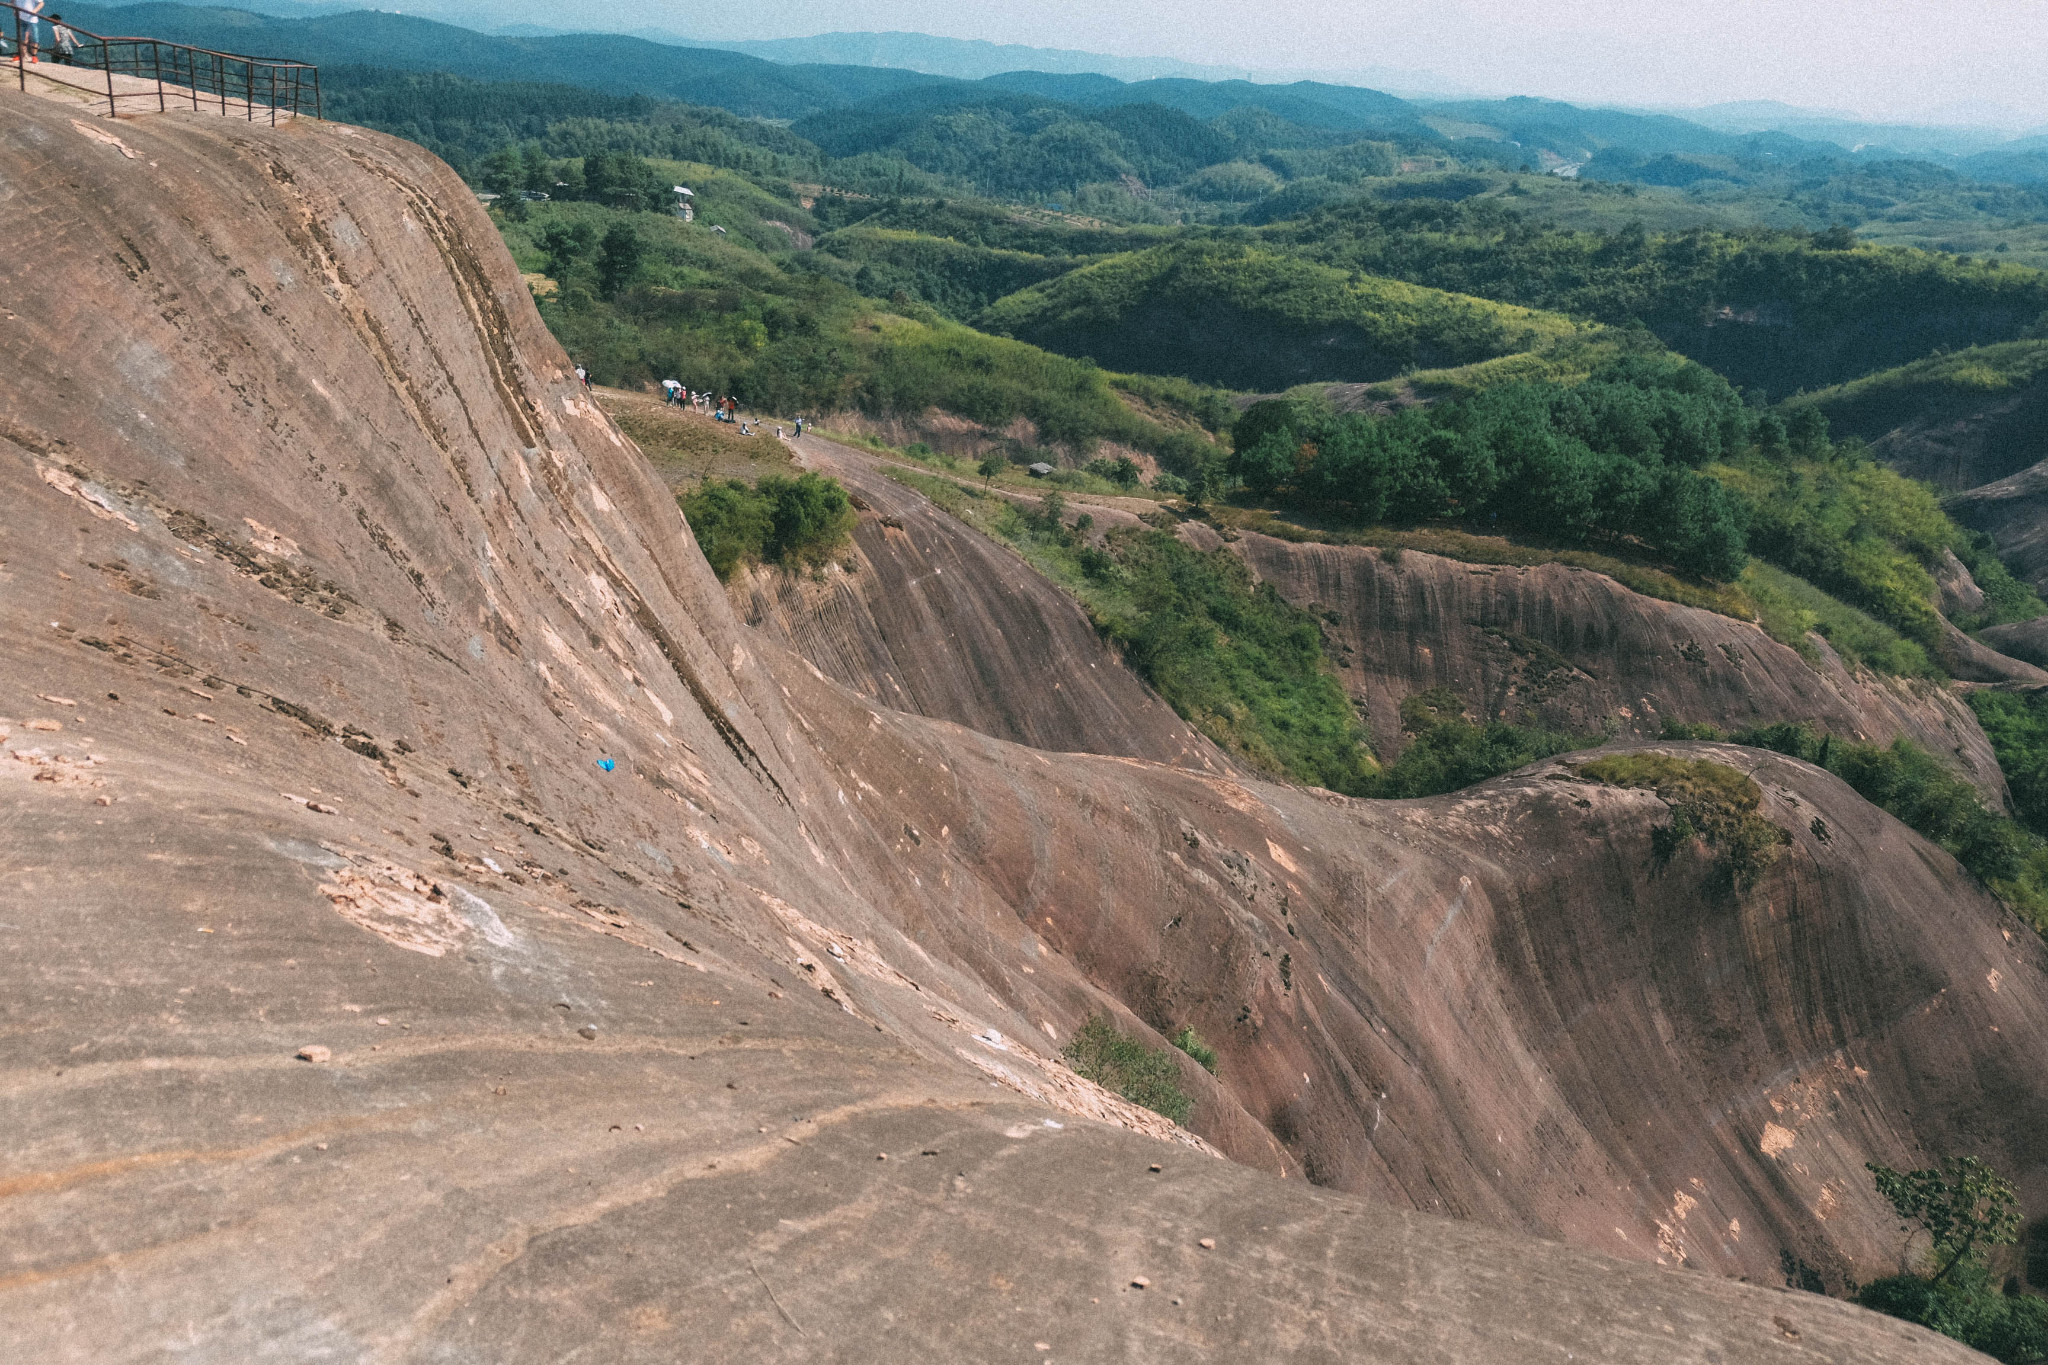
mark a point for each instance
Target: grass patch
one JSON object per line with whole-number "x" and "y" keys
{"x": 1790, "y": 609}
{"x": 1143, "y": 1075}
{"x": 1707, "y": 799}
{"x": 687, "y": 447}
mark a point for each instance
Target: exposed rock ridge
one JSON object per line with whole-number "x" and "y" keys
{"x": 1576, "y": 651}
{"x": 354, "y": 1008}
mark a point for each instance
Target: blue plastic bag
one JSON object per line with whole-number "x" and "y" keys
{"x": 607, "y": 764}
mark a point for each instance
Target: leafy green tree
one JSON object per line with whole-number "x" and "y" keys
{"x": 990, "y": 466}
{"x": 501, "y": 173}
{"x": 1963, "y": 1205}
{"x": 618, "y": 259}
{"x": 732, "y": 523}
{"x": 1807, "y": 432}
{"x": 564, "y": 245}
{"x": 812, "y": 517}
{"x": 797, "y": 522}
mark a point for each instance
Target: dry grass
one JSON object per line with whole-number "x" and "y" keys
{"x": 687, "y": 447}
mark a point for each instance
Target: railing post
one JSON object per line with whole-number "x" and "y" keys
{"x": 156, "y": 58}
{"x": 249, "y": 88}
{"x": 316, "y": 94}
{"x": 107, "y": 70}
{"x": 20, "y": 57}
{"x": 273, "y": 97}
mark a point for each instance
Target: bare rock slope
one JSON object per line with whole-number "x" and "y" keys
{"x": 939, "y": 620}
{"x": 438, "y": 930}
{"x": 1574, "y": 650}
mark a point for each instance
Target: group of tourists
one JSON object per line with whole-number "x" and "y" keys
{"x": 28, "y": 15}
{"x": 725, "y": 409}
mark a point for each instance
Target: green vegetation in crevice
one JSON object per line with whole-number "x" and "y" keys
{"x": 2007, "y": 597}
{"x": 1446, "y": 751}
{"x": 1706, "y": 799}
{"x": 1190, "y": 1042}
{"x": 1146, "y": 1076}
{"x": 2012, "y": 1328}
{"x": 1909, "y": 783}
{"x": 1228, "y": 654}
{"x": 796, "y": 523}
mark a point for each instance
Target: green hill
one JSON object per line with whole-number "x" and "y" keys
{"x": 1775, "y": 311}
{"x": 1938, "y": 385}
{"x": 1958, "y": 420}
{"x": 1248, "y": 317}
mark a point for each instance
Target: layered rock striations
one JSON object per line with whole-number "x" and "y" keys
{"x": 438, "y": 929}
{"x": 1573, "y": 650}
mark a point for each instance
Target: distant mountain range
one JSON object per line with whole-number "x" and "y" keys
{"x": 902, "y": 73}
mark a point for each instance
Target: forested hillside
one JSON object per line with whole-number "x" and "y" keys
{"x": 1250, "y": 318}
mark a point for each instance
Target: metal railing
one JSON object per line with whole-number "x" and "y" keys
{"x": 172, "y": 74}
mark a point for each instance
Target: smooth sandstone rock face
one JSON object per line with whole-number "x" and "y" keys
{"x": 349, "y": 588}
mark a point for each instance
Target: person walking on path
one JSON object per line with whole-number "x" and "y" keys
{"x": 64, "y": 40}
{"x": 674, "y": 391}
{"x": 26, "y": 13}
{"x": 799, "y": 428}
{"x": 583, "y": 375}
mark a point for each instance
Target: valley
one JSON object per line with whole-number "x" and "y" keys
{"x": 1518, "y": 710}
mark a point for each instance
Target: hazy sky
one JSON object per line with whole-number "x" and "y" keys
{"x": 1891, "y": 58}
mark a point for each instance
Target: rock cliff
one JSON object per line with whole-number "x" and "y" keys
{"x": 439, "y": 930}
{"x": 1573, "y": 650}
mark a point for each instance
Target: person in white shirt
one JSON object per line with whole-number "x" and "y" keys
{"x": 674, "y": 390}
{"x": 26, "y": 13}
{"x": 64, "y": 39}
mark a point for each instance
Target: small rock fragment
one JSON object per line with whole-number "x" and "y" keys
{"x": 1154, "y": 1168}
{"x": 314, "y": 1052}
{"x": 1207, "y": 1244}
{"x": 1140, "y": 1282}
{"x": 881, "y": 1156}
{"x": 588, "y": 1031}
{"x": 43, "y": 723}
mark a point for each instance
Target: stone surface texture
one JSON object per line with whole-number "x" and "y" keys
{"x": 351, "y": 1010}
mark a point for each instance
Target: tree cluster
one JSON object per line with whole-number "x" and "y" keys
{"x": 1618, "y": 458}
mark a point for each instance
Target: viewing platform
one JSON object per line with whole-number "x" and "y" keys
{"x": 119, "y": 77}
